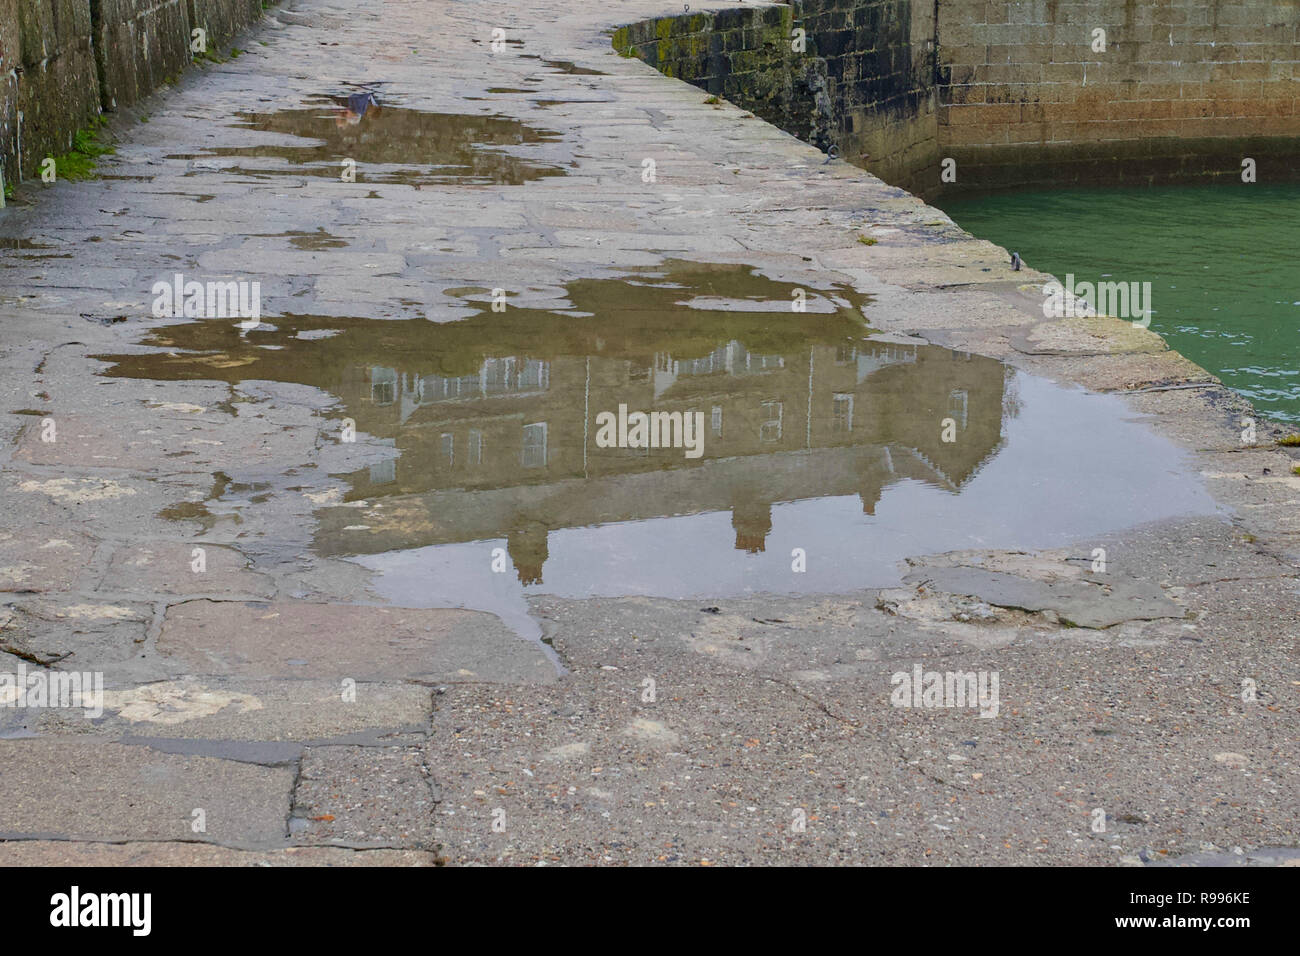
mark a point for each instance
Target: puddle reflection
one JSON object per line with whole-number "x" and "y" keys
{"x": 818, "y": 436}
{"x": 391, "y": 144}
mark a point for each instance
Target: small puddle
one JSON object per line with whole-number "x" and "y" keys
{"x": 19, "y": 242}
{"x": 817, "y": 435}
{"x": 390, "y": 144}
{"x": 572, "y": 69}
{"x": 312, "y": 241}
{"x": 31, "y": 248}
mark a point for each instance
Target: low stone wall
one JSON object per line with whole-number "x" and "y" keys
{"x": 63, "y": 61}
{"x": 223, "y": 19}
{"x": 50, "y": 84}
{"x": 1014, "y": 92}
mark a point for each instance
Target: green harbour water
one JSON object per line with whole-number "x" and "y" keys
{"x": 1222, "y": 262}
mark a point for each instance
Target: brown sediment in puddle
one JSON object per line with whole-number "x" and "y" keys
{"x": 392, "y": 144}
{"x": 688, "y": 307}
{"x": 198, "y": 510}
{"x": 313, "y": 241}
{"x": 19, "y": 242}
{"x": 186, "y": 511}
{"x": 567, "y": 66}
{"x": 34, "y": 248}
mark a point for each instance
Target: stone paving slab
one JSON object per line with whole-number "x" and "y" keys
{"x": 234, "y": 709}
{"x": 1093, "y": 603}
{"x": 39, "y": 562}
{"x": 174, "y": 567}
{"x": 302, "y": 640}
{"x": 71, "y": 853}
{"x": 82, "y": 789}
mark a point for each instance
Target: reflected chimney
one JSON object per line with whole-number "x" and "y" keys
{"x": 753, "y": 522}
{"x": 527, "y": 549}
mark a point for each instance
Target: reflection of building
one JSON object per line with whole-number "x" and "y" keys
{"x": 510, "y": 452}
{"x": 493, "y": 418}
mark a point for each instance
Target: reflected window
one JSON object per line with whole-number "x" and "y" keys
{"x": 957, "y": 405}
{"x": 534, "y": 374}
{"x": 844, "y": 354}
{"x": 495, "y": 375}
{"x": 383, "y": 472}
{"x": 761, "y": 363}
{"x": 436, "y": 388}
{"x": 769, "y": 428}
{"x": 534, "y": 447}
{"x": 448, "y": 449}
{"x": 510, "y": 374}
{"x": 842, "y": 413}
{"x": 475, "y": 450}
{"x": 383, "y": 386}
{"x": 717, "y": 420}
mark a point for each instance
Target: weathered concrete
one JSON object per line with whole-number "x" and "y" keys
{"x": 364, "y": 797}
{"x": 755, "y": 721}
{"x": 768, "y": 702}
{"x": 1092, "y": 603}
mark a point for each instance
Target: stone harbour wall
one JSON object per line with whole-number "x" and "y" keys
{"x": 1013, "y": 92}
{"x": 1182, "y": 90}
{"x": 859, "y": 79}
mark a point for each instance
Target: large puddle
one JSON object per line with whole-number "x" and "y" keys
{"x": 818, "y": 438}
{"x": 389, "y": 144}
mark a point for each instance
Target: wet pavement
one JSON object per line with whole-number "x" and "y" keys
{"x": 820, "y": 436}
{"x": 435, "y": 615}
{"x": 392, "y": 144}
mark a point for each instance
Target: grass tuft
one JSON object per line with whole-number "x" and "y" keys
{"x": 79, "y": 162}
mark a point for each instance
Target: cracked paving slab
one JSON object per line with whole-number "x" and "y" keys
{"x": 1095, "y": 602}
{"x": 233, "y": 709}
{"x": 81, "y": 789}
{"x": 291, "y": 639}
